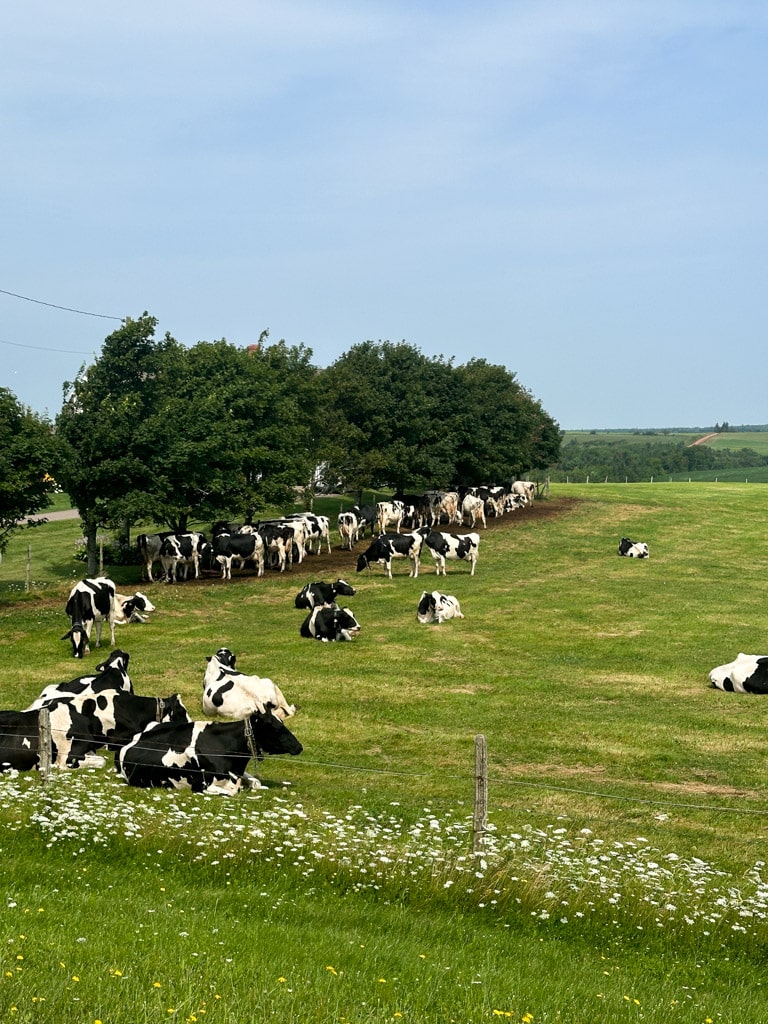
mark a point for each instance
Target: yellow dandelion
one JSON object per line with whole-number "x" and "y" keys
{"x": 171, "y": 1009}
{"x": 281, "y": 980}
{"x": 331, "y": 969}
{"x": 527, "y": 1018}
{"x": 19, "y": 956}
{"x": 382, "y": 981}
{"x": 156, "y": 984}
{"x": 75, "y": 978}
{"x": 9, "y": 974}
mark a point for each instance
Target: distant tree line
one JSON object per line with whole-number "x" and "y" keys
{"x": 637, "y": 461}
{"x": 156, "y": 432}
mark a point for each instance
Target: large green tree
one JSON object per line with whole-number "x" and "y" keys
{"x": 29, "y": 460}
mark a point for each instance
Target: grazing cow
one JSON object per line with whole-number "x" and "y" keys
{"x": 110, "y": 675}
{"x": 525, "y": 487}
{"x": 313, "y": 594}
{"x": 389, "y": 513}
{"x": 366, "y": 518}
{"x": 387, "y": 546}
{"x": 240, "y": 547}
{"x": 348, "y": 529}
{"x": 747, "y": 674}
{"x": 20, "y": 740}
{"x": 473, "y": 508}
{"x": 632, "y": 549}
{"x": 90, "y": 601}
{"x": 179, "y": 551}
{"x": 232, "y": 694}
{"x": 132, "y": 609}
{"x": 437, "y": 607}
{"x": 206, "y": 757}
{"x": 450, "y": 545}
{"x": 328, "y": 623}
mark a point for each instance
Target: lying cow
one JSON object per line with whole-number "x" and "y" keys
{"x": 747, "y": 674}
{"x": 450, "y": 545}
{"x": 437, "y": 607}
{"x": 330, "y": 623}
{"x": 232, "y": 694}
{"x": 387, "y": 546}
{"x": 633, "y": 549}
{"x": 313, "y": 594}
{"x": 110, "y": 676}
{"x": 20, "y": 741}
{"x": 90, "y": 601}
{"x": 206, "y": 757}
{"x": 132, "y": 609}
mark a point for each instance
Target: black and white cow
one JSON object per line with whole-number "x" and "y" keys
{"x": 20, "y": 741}
{"x": 437, "y": 607}
{"x": 239, "y": 547}
{"x": 387, "y": 546}
{"x": 449, "y": 545}
{"x": 330, "y": 623}
{"x": 348, "y": 529}
{"x": 179, "y": 551}
{"x": 206, "y": 757}
{"x": 90, "y": 601}
{"x": 389, "y": 513}
{"x": 132, "y": 609}
{"x": 525, "y": 487}
{"x": 149, "y": 545}
{"x": 313, "y": 594}
{"x": 279, "y": 539}
{"x": 366, "y": 518}
{"x": 316, "y": 530}
{"x": 110, "y": 675}
{"x": 748, "y": 673}
{"x": 633, "y": 549}
{"x": 472, "y": 509}
{"x": 232, "y": 694}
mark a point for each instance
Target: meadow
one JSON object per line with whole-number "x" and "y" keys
{"x": 621, "y": 876}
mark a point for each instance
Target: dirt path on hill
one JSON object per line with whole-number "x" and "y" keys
{"x": 703, "y": 440}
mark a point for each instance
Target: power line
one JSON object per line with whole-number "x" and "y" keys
{"x": 44, "y": 348}
{"x": 53, "y": 305}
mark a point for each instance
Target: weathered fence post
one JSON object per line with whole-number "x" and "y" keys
{"x": 480, "y": 817}
{"x": 44, "y": 743}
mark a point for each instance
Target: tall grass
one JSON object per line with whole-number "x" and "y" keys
{"x": 622, "y": 875}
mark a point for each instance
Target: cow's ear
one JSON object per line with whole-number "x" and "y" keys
{"x": 208, "y": 659}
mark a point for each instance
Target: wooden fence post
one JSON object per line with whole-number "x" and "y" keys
{"x": 44, "y": 743}
{"x": 480, "y": 816}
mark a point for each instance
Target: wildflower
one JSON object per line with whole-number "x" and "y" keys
{"x": 156, "y": 984}
{"x": 331, "y": 969}
{"x": 281, "y": 980}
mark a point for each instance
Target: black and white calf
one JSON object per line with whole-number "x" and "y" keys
{"x": 232, "y": 694}
{"x": 206, "y": 757}
{"x": 633, "y": 549}
{"x": 348, "y": 529}
{"x": 329, "y": 624}
{"x": 180, "y": 550}
{"x": 748, "y": 673}
{"x": 437, "y": 607}
{"x": 313, "y": 594}
{"x": 89, "y": 602}
{"x": 449, "y": 545}
{"x": 110, "y": 675}
{"x": 132, "y": 609}
{"x": 387, "y": 546}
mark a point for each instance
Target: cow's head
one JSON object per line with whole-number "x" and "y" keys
{"x": 117, "y": 659}
{"x": 80, "y": 640}
{"x": 225, "y": 657}
{"x": 173, "y": 709}
{"x": 272, "y": 736}
{"x": 345, "y": 622}
{"x": 344, "y": 588}
{"x": 425, "y": 611}
{"x": 362, "y": 563}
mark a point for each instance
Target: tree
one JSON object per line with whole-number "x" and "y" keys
{"x": 29, "y": 461}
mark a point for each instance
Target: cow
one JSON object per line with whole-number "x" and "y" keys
{"x": 437, "y": 607}
{"x": 90, "y": 601}
{"x": 278, "y": 538}
{"x": 633, "y": 549}
{"x": 240, "y": 547}
{"x": 387, "y": 546}
{"x": 473, "y": 508}
{"x": 149, "y": 545}
{"x": 110, "y": 675}
{"x": 366, "y": 518}
{"x": 132, "y": 609}
{"x": 313, "y": 594}
{"x": 20, "y": 741}
{"x": 525, "y": 487}
{"x": 329, "y": 623}
{"x": 446, "y": 504}
{"x": 449, "y": 545}
{"x": 229, "y": 693}
{"x": 389, "y": 513}
{"x": 179, "y": 551}
{"x": 206, "y": 757}
{"x": 747, "y": 674}
{"x": 316, "y": 530}
{"x": 348, "y": 529}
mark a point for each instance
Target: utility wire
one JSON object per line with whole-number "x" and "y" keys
{"x": 45, "y": 348}
{"x": 53, "y": 305}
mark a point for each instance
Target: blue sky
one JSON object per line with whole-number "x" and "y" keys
{"x": 576, "y": 190}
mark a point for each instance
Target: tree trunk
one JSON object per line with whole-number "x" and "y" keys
{"x": 90, "y": 529}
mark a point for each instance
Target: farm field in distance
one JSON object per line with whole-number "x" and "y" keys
{"x": 611, "y": 759}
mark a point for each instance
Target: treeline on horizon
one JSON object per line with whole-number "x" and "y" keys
{"x": 600, "y": 459}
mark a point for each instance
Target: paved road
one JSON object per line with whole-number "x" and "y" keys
{"x": 67, "y": 513}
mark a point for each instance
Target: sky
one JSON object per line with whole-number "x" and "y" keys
{"x": 574, "y": 189}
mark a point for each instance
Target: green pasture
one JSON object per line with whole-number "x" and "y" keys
{"x": 624, "y": 437}
{"x": 608, "y": 752}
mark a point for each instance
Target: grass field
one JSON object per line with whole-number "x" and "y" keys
{"x": 628, "y": 801}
